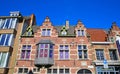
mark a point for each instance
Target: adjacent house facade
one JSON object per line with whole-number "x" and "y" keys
{"x": 49, "y": 49}
{"x": 11, "y": 28}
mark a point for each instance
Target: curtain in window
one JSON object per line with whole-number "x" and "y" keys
{"x": 45, "y": 52}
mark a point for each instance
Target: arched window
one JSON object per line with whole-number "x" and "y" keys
{"x": 84, "y": 71}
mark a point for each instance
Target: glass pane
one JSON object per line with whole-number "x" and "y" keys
{"x": 41, "y": 52}
{"x": 82, "y": 32}
{"x": 61, "y": 54}
{"x": 49, "y": 71}
{"x": 66, "y": 70}
{"x": 27, "y": 54}
{"x": 78, "y": 32}
{"x": 46, "y": 45}
{"x": 50, "y": 53}
{"x": 61, "y": 47}
{"x": 84, "y": 47}
{"x": 48, "y": 32}
{"x": 54, "y": 70}
{"x": 66, "y": 47}
{"x": 25, "y": 70}
{"x": 2, "y": 61}
{"x": 80, "y": 53}
{"x": 51, "y": 46}
{"x": 45, "y": 52}
{"x": 2, "y": 23}
{"x": 24, "y": 47}
{"x": 13, "y": 22}
{"x": 66, "y": 54}
{"x": 85, "y": 54}
{"x": 28, "y": 47}
{"x": 3, "y": 36}
{"x": 79, "y": 47}
{"x": 43, "y": 32}
{"x": 7, "y": 40}
{"x": 61, "y": 71}
{"x": 7, "y": 24}
{"x": 20, "y": 70}
{"x": 41, "y": 46}
{"x": 22, "y": 54}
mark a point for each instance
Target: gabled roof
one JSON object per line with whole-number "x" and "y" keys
{"x": 97, "y": 35}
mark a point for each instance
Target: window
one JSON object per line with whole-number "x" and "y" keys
{"x": 25, "y": 52}
{"x": 8, "y": 23}
{"x": 80, "y": 33}
{"x": 99, "y": 54}
{"x": 35, "y": 70}
{"x": 22, "y": 70}
{"x": 43, "y": 50}
{"x": 6, "y": 39}
{"x": 55, "y": 71}
{"x": 46, "y": 32}
{"x": 63, "y": 32}
{"x": 113, "y": 54}
{"x": 4, "y": 56}
{"x": 82, "y": 51}
{"x": 64, "y": 52}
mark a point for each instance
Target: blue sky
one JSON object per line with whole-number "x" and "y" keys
{"x": 93, "y": 13}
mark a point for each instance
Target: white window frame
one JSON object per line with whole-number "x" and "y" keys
{"x": 82, "y": 33}
{"x": 46, "y": 32}
{"x": 82, "y": 49}
{"x": 64, "y": 52}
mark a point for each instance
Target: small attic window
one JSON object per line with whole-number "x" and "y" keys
{"x": 63, "y": 32}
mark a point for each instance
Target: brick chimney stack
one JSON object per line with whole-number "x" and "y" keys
{"x": 67, "y": 24}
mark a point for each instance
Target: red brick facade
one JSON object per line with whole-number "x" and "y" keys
{"x": 93, "y": 39}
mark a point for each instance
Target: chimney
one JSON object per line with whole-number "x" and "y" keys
{"x": 67, "y": 24}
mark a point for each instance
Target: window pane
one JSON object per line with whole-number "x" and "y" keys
{"x": 46, "y": 45}
{"x": 2, "y": 23}
{"x": 13, "y": 22}
{"x": 50, "y": 53}
{"x": 41, "y": 52}
{"x": 49, "y": 71}
{"x": 61, "y": 54}
{"x": 66, "y": 54}
{"x": 29, "y": 47}
{"x": 48, "y": 32}
{"x": 51, "y": 46}
{"x": 66, "y": 47}
{"x": 27, "y": 54}
{"x": 54, "y": 70}
{"x": 84, "y": 47}
{"x": 45, "y": 52}
{"x": 82, "y": 32}
{"x": 42, "y": 46}
{"x": 61, "y": 47}
{"x": 7, "y": 40}
{"x": 79, "y": 47}
{"x": 20, "y": 70}
{"x": 24, "y": 47}
{"x": 7, "y": 24}
{"x": 85, "y": 54}
{"x": 3, "y": 36}
{"x": 22, "y": 54}
{"x": 61, "y": 71}
{"x": 25, "y": 70}
{"x": 2, "y": 60}
{"x": 78, "y": 32}
{"x": 80, "y": 53}
{"x": 66, "y": 70}
{"x": 43, "y": 32}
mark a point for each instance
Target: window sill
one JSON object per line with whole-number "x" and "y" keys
{"x": 83, "y": 59}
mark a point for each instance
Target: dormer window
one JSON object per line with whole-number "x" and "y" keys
{"x": 80, "y": 33}
{"x": 46, "y": 32}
